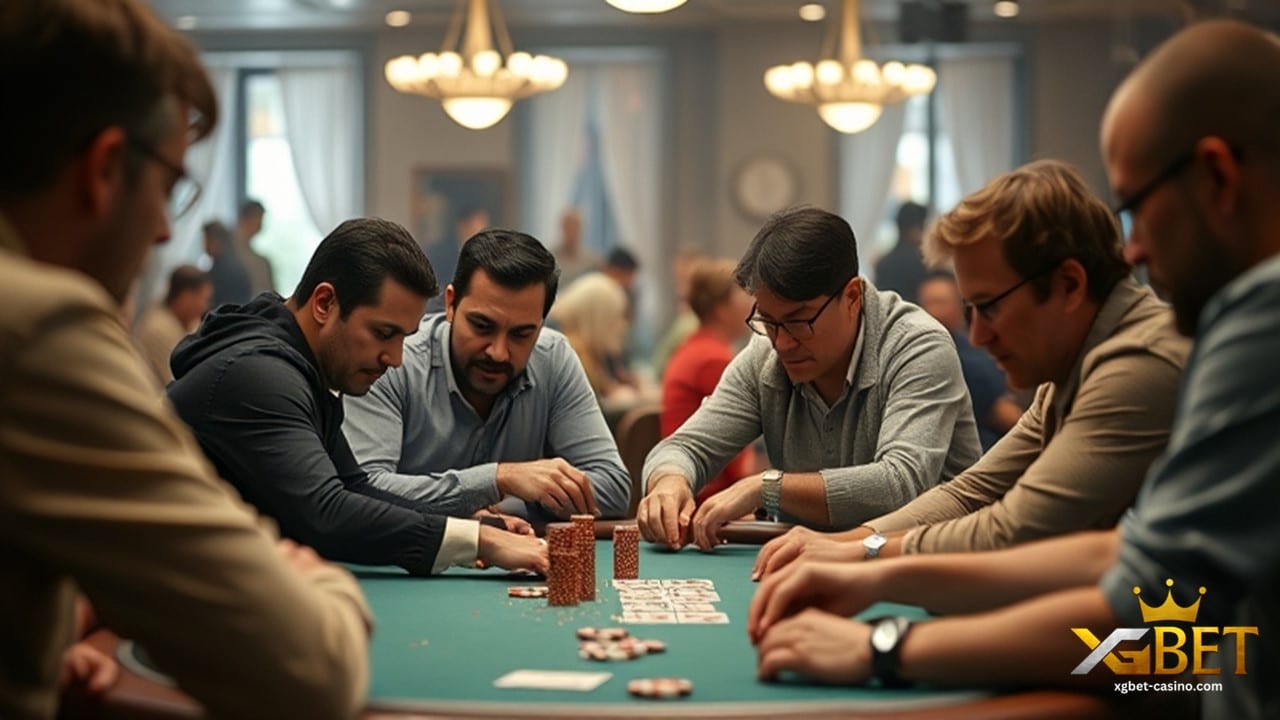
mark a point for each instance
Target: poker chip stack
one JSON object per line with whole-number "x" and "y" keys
{"x": 564, "y": 576}
{"x": 585, "y": 528}
{"x": 626, "y": 552}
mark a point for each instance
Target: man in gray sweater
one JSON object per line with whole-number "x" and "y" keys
{"x": 859, "y": 396}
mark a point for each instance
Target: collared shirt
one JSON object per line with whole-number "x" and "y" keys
{"x": 417, "y": 436}
{"x": 1077, "y": 457}
{"x": 902, "y": 425}
{"x": 1206, "y": 516}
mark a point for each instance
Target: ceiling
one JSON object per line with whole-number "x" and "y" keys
{"x": 284, "y": 15}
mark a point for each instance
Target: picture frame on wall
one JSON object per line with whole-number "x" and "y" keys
{"x": 444, "y": 197}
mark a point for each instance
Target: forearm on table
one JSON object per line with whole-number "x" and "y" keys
{"x": 1028, "y": 643}
{"x": 975, "y": 582}
{"x": 804, "y": 496}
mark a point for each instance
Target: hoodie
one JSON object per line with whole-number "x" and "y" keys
{"x": 248, "y": 385}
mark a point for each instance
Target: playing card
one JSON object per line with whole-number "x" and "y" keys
{"x": 693, "y": 595}
{"x": 650, "y": 618}
{"x": 689, "y": 583}
{"x": 703, "y": 618}
{"x": 693, "y": 607}
{"x": 553, "y": 680}
{"x": 650, "y": 606}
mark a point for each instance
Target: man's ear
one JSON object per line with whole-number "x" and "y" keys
{"x": 853, "y": 289}
{"x": 324, "y": 303}
{"x": 101, "y": 170}
{"x": 449, "y": 294}
{"x": 1075, "y": 282}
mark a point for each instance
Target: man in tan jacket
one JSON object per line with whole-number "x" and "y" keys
{"x": 1049, "y": 297}
{"x": 104, "y": 491}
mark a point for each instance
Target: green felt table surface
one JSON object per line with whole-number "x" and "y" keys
{"x": 443, "y": 641}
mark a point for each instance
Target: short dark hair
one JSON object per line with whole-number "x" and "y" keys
{"x": 911, "y": 216}
{"x": 799, "y": 254}
{"x": 251, "y": 207}
{"x": 513, "y": 259}
{"x": 185, "y": 278}
{"x": 358, "y": 256}
{"x": 82, "y": 66}
{"x": 621, "y": 258}
{"x": 218, "y": 232}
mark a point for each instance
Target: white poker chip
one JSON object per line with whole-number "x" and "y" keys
{"x": 660, "y": 688}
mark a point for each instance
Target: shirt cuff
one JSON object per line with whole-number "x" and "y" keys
{"x": 460, "y": 545}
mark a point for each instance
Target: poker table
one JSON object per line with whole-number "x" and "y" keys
{"x": 440, "y": 644}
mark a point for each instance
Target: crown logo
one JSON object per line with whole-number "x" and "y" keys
{"x": 1169, "y": 611}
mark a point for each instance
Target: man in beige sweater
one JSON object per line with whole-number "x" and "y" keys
{"x": 1048, "y": 295}
{"x": 104, "y": 491}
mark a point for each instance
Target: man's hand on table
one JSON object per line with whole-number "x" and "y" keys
{"x": 802, "y": 544}
{"x": 665, "y": 511}
{"x": 817, "y": 644}
{"x": 735, "y": 501}
{"x": 843, "y": 589}
{"x": 517, "y": 525}
{"x": 88, "y": 668}
{"x": 511, "y": 551}
{"x": 558, "y": 486}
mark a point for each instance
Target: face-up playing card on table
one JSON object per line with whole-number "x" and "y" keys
{"x": 553, "y": 680}
{"x": 634, "y": 606}
{"x": 703, "y": 618}
{"x": 650, "y": 618}
{"x": 693, "y": 595}
{"x": 693, "y": 607}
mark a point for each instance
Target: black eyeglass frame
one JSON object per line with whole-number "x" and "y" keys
{"x": 987, "y": 308}
{"x": 180, "y": 174}
{"x": 769, "y": 328}
{"x": 1172, "y": 170}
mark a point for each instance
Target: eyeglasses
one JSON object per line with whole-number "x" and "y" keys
{"x": 797, "y": 329}
{"x": 1125, "y": 210}
{"x": 185, "y": 192}
{"x": 987, "y": 308}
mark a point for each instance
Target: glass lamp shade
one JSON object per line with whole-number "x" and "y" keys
{"x": 477, "y": 113}
{"x": 849, "y": 117}
{"x": 646, "y": 6}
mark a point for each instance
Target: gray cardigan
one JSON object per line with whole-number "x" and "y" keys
{"x": 903, "y": 425}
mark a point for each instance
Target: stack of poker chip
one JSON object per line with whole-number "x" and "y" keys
{"x": 614, "y": 644}
{"x": 626, "y": 552}
{"x": 564, "y": 584}
{"x": 585, "y": 528}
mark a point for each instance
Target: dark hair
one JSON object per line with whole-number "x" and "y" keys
{"x": 621, "y": 258}
{"x": 82, "y": 66}
{"x": 513, "y": 259}
{"x": 185, "y": 278}
{"x": 911, "y": 217}
{"x": 250, "y": 208}
{"x": 799, "y": 254}
{"x": 358, "y": 256}
{"x": 216, "y": 231}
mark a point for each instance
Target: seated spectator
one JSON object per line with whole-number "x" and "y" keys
{"x": 721, "y": 308}
{"x": 572, "y": 257}
{"x": 592, "y": 314}
{"x": 902, "y": 269}
{"x": 993, "y": 407}
{"x": 228, "y": 274}
{"x": 167, "y": 322}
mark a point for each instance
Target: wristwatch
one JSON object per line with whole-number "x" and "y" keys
{"x": 887, "y": 634}
{"x": 771, "y": 492}
{"x": 872, "y": 544}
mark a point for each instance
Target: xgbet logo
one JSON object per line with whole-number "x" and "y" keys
{"x": 1173, "y": 649}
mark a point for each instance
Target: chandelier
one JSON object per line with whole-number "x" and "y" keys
{"x": 849, "y": 90}
{"x": 476, "y": 82}
{"x": 646, "y": 6}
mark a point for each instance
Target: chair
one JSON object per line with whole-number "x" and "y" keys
{"x": 638, "y": 431}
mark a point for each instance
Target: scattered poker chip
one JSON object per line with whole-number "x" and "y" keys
{"x": 529, "y": 591}
{"x": 654, "y": 646}
{"x": 612, "y": 634}
{"x": 658, "y": 688}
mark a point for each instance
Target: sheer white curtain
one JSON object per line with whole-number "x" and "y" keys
{"x": 322, "y": 119}
{"x": 557, "y": 135}
{"x": 976, "y": 98}
{"x": 867, "y": 161}
{"x": 630, "y": 137}
{"x": 210, "y": 162}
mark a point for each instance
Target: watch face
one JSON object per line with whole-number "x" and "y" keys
{"x": 874, "y": 542}
{"x": 884, "y": 635}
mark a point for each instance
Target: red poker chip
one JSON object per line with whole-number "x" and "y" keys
{"x": 660, "y": 688}
{"x": 654, "y": 646}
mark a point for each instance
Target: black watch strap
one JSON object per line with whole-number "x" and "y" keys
{"x": 885, "y": 661}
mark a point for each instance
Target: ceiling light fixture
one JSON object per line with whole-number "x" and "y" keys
{"x": 849, "y": 90}
{"x": 476, "y": 82}
{"x": 813, "y": 12}
{"x": 398, "y": 18}
{"x": 1006, "y": 8}
{"x": 646, "y": 6}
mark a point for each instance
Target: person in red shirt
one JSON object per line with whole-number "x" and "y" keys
{"x": 696, "y": 366}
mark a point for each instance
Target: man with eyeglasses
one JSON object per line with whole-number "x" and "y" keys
{"x": 858, "y": 394}
{"x": 103, "y": 492}
{"x": 1205, "y": 520}
{"x": 1051, "y": 299}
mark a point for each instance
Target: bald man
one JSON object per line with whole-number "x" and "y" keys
{"x": 1190, "y": 147}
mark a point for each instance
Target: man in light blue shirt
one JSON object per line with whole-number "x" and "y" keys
{"x": 489, "y": 408}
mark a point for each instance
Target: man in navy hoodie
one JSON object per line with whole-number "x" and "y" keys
{"x": 261, "y": 386}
